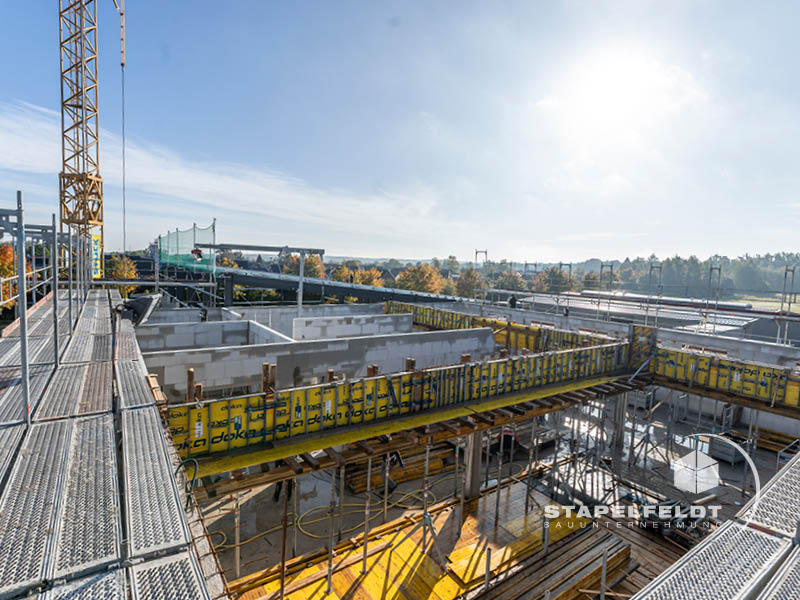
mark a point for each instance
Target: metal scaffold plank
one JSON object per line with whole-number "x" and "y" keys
{"x": 8, "y": 347}
{"x": 105, "y": 586}
{"x": 126, "y": 327}
{"x": 171, "y": 577}
{"x": 62, "y": 393}
{"x": 44, "y": 354}
{"x": 9, "y": 440}
{"x": 89, "y": 530}
{"x": 29, "y": 506}
{"x": 12, "y": 409}
{"x": 13, "y": 358}
{"x": 785, "y": 584}
{"x": 97, "y": 390}
{"x": 778, "y": 507}
{"x": 155, "y": 516}
{"x": 133, "y": 389}
{"x": 102, "y": 326}
{"x": 85, "y": 326}
{"x": 80, "y": 349}
{"x": 731, "y": 563}
{"x": 101, "y": 348}
{"x": 127, "y": 347}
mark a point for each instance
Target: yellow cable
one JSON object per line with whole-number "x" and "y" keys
{"x": 379, "y": 509}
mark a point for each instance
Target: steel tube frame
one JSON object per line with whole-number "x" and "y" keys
{"x": 23, "y": 310}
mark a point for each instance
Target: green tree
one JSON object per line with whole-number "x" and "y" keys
{"x": 121, "y": 267}
{"x": 469, "y": 283}
{"x": 342, "y": 273}
{"x": 591, "y": 281}
{"x": 555, "y": 280}
{"x": 449, "y": 287}
{"x": 451, "y": 264}
{"x": 226, "y": 260}
{"x": 421, "y": 278}
{"x": 313, "y": 266}
{"x": 510, "y": 280}
{"x": 371, "y": 276}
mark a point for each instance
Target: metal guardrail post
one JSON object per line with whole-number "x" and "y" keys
{"x": 302, "y": 273}
{"x": 23, "y": 309}
{"x": 69, "y": 275}
{"x": 54, "y": 266}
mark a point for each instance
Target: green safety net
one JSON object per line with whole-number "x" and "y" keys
{"x": 175, "y": 248}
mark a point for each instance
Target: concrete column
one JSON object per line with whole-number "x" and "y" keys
{"x": 472, "y": 466}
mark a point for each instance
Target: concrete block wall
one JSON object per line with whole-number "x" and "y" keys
{"x": 326, "y": 328}
{"x": 281, "y": 318}
{"x": 177, "y": 336}
{"x": 309, "y": 361}
{"x": 224, "y": 368}
{"x": 261, "y": 334}
{"x": 175, "y": 315}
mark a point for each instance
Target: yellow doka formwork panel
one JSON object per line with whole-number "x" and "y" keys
{"x": 221, "y": 425}
{"x": 511, "y": 335}
{"x": 225, "y": 463}
{"x": 773, "y": 385}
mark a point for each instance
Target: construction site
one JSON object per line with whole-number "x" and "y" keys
{"x": 359, "y": 442}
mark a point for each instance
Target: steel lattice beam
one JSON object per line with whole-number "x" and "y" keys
{"x": 80, "y": 183}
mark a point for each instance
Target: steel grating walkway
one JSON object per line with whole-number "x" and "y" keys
{"x": 85, "y": 348}
{"x": 729, "y": 564}
{"x": 12, "y": 407}
{"x": 779, "y": 507}
{"x": 155, "y": 516}
{"x": 106, "y": 586}
{"x": 9, "y": 440}
{"x": 179, "y": 574}
{"x": 61, "y": 519}
{"x": 89, "y": 528}
{"x": 28, "y": 507}
{"x": 133, "y": 389}
{"x": 785, "y": 584}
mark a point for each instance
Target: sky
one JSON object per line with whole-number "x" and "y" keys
{"x": 539, "y": 131}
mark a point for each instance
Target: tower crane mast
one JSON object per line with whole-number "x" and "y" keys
{"x": 80, "y": 182}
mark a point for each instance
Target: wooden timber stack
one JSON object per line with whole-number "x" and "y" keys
{"x": 442, "y": 458}
{"x": 570, "y": 566}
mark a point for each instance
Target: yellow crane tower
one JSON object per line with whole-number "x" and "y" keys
{"x": 80, "y": 182}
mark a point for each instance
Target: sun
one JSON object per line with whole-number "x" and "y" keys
{"x": 617, "y": 96}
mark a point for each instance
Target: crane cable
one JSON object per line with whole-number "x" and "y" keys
{"x": 124, "y": 222}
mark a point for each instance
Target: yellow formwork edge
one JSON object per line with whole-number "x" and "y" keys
{"x": 223, "y": 464}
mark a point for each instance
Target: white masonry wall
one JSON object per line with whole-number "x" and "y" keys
{"x": 327, "y": 328}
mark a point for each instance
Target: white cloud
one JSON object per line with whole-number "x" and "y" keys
{"x": 260, "y": 205}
